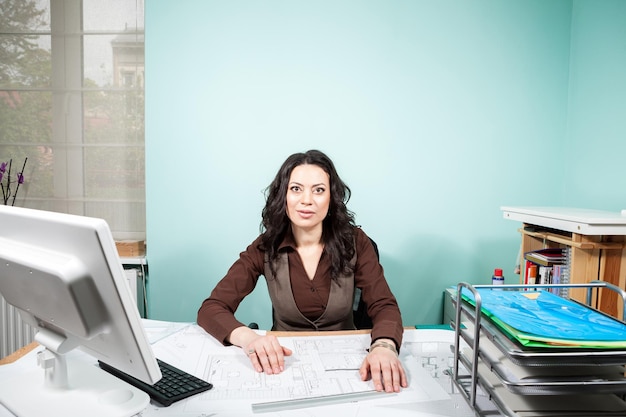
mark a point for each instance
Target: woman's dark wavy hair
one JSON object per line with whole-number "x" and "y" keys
{"x": 338, "y": 226}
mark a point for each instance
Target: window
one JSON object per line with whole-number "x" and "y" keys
{"x": 72, "y": 106}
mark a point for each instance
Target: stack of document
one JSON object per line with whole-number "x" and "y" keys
{"x": 541, "y": 355}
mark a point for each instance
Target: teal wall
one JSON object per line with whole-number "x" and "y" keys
{"x": 596, "y": 166}
{"x": 436, "y": 113}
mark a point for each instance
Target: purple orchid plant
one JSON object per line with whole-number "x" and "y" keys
{"x": 6, "y": 181}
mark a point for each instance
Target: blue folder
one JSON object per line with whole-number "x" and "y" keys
{"x": 541, "y": 318}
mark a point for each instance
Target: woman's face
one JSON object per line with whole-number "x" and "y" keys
{"x": 308, "y": 196}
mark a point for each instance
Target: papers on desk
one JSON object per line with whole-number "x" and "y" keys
{"x": 157, "y": 330}
{"x": 321, "y": 378}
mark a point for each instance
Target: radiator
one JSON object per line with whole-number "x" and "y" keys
{"x": 14, "y": 333}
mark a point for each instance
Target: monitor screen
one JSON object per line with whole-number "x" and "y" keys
{"x": 64, "y": 276}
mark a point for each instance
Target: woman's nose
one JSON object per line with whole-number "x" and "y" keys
{"x": 306, "y": 197}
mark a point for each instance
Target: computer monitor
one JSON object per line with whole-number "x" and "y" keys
{"x": 64, "y": 276}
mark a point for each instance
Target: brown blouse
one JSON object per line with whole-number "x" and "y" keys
{"x": 216, "y": 315}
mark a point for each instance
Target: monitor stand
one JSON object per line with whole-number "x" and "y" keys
{"x": 78, "y": 390}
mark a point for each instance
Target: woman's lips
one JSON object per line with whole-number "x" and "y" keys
{"x": 306, "y": 214}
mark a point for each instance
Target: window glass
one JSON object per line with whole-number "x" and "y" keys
{"x": 25, "y": 16}
{"x": 24, "y": 60}
{"x": 83, "y": 139}
{"x": 115, "y": 15}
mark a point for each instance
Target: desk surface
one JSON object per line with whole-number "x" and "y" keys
{"x": 26, "y": 349}
{"x": 574, "y": 220}
{"x": 18, "y": 353}
{"x": 237, "y": 388}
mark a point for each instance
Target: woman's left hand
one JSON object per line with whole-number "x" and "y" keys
{"x": 383, "y": 366}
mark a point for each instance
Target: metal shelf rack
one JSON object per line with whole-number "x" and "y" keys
{"x": 486, "y": 358}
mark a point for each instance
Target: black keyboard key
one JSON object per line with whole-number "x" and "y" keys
{"x": 174, "y": 385}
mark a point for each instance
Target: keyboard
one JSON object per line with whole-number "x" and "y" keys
{"x": 175, "y": 384}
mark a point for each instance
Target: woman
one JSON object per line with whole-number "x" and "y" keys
{"x": 313, "y": 257}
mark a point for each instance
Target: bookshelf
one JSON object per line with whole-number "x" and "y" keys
{"x": 595, "y": 240}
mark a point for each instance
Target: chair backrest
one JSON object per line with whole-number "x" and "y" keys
{"x": 359, "y": 309}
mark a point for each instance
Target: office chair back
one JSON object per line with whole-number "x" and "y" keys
{"x": 359, "y": 309}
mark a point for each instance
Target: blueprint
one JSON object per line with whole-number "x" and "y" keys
{"x": 322, "y": 371}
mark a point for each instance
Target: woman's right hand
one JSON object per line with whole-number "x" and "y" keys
{"x": 265, "y": 352}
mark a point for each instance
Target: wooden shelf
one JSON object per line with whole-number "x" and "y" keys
{"x": 595, "y": 241}
{"x": 563, "y": 240}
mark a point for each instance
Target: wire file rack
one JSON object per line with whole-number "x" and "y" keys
{"x": 522, "y": 381}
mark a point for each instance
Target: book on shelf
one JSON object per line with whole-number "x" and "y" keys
{"x": 530, "y": 273}
{"x": 559, "y": 277}
{"x": 556, "y": 273}
{"x": 545, "y": 275}
{"x": 546, "y": 257}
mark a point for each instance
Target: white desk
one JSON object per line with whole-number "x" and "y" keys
{"x": 574, "y": 220}
{"x": 425, "y": 354}
{"x": 134, "y": 260}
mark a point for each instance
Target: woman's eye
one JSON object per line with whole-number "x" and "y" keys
{"x": 295, "y": 188}
{"x": 319, "y": 190}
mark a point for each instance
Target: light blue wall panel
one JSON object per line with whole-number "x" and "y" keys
{"x": 425, "y": 106}
{"x": 596, "y": 165}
